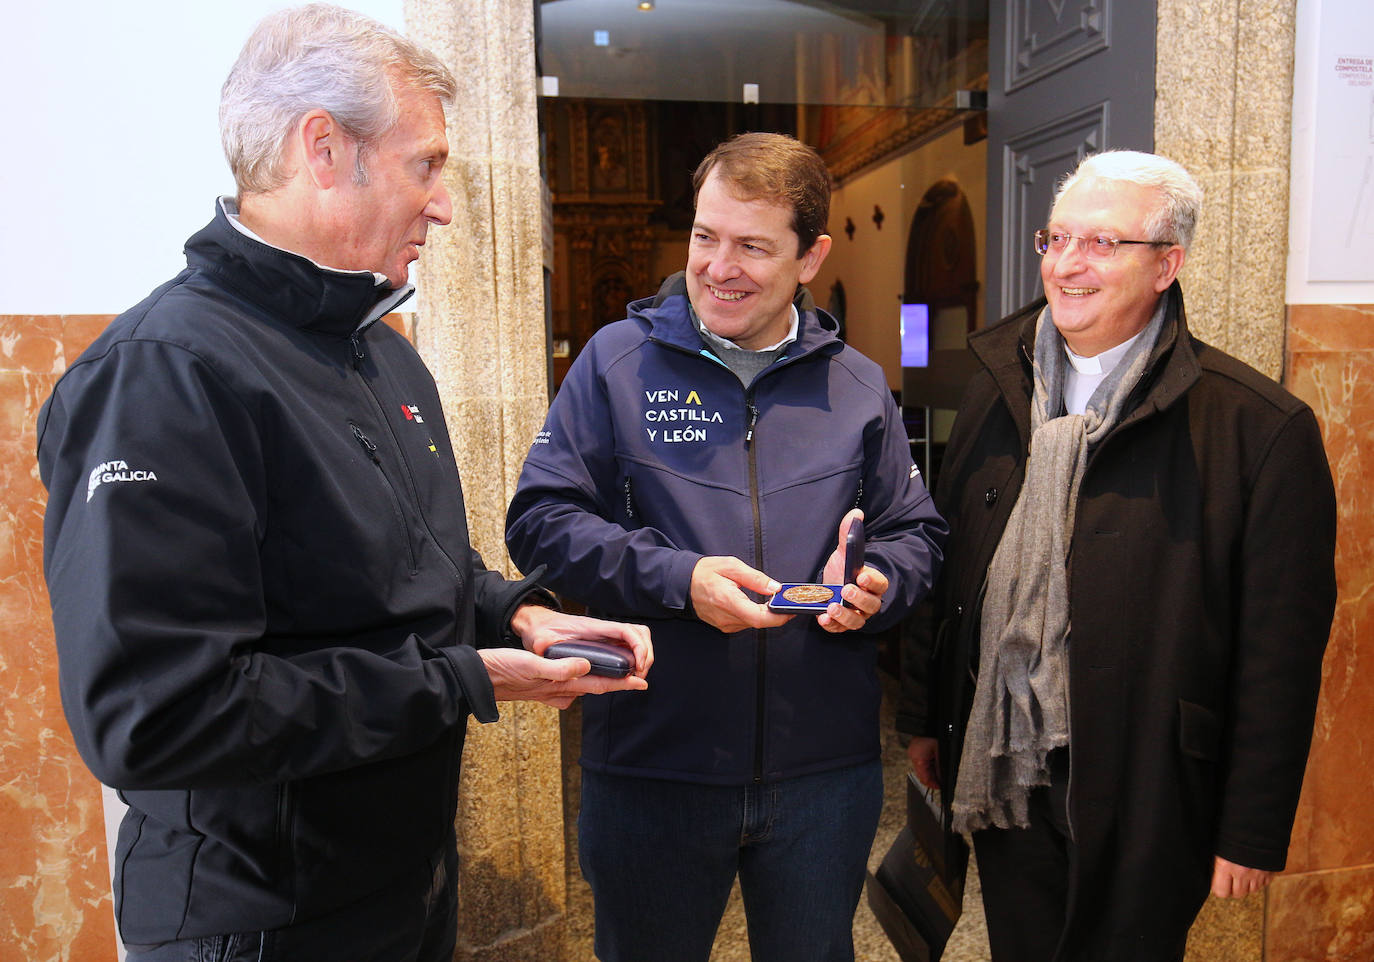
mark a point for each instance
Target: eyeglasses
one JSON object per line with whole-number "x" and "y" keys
{"x": 1098, "y": 247}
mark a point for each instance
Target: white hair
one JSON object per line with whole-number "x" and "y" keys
{"x": 1175, "y": 219}
{"x": 318, "y": 57}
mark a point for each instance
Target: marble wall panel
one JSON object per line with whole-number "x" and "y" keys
{"x": 1331, "y": 366}
{"x": 56, "y": 904}
{"x": 1324, "y": 917}
{"x": 1322, "y": 908}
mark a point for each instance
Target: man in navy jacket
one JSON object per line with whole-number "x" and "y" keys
{"x": 716, "y": 443}
{"x": 271, "y": 626}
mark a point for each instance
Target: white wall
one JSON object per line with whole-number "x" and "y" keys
{"x": 1327, "y": 29}
{"x": 112, "y": 155}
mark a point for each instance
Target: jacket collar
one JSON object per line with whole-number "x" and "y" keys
{"x": 289, "y": 286}
{"x": 669, "y": 320}
{"x": 1005, "y": 349}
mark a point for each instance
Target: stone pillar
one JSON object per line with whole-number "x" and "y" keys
{"x": 480, "y": 327}
{"x": 1223, "y": 106}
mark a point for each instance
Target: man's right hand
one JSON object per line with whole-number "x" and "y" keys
{"x": 520, "y": 675}
{"x": 718, "y": 600}
{"x": 925, "y": 760}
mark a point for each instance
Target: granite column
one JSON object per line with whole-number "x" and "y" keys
{"x": 480, "y": 327}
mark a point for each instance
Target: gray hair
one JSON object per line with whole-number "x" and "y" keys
{"x": 318, "y": 57}
{"x": 1175, "y": 219}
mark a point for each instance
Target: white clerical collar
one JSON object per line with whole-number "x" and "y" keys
{"x": 1100, "y": 364}
{"x": 723, "y": 342}
{"x": 230, "y": 205}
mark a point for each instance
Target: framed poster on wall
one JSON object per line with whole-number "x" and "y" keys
{"x": 1342, "y": 214}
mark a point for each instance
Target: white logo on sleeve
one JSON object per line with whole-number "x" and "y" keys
{"x": 112, "y": 471}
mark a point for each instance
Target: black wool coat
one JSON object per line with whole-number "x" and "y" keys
{"x": 1201, "y": 590}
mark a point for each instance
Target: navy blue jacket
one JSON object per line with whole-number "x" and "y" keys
{"x": 654, "y": 455}
{"x": 264, "y": 597}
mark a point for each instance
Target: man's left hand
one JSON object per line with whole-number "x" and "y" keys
{"x": 866, "y": 594}
{"x": 1230, "y": 880}
{"x": 520, "y": 675}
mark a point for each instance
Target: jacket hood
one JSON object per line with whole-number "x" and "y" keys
{"x": 288, "y": 285}
{"x": 667, "y": 316}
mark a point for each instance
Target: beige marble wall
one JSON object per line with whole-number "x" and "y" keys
{"x": 480, "y": 327}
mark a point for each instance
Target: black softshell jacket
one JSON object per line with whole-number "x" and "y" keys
{"x": 264, "y": 597}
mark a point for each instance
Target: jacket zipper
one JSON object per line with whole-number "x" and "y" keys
{"x": 370, "y": 450}
{"x": 761, "y": 635}
{"x": 355, "y": 341}
{"x": 358, "y": 357}
{"x": 286, "y": 839}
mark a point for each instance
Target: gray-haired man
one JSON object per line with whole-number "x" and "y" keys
{"x": 270, "y": 622}
{"x": 1140, "y": 575}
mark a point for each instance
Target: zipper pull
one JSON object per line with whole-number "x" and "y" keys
{"x": 358, "y": 354}
{"x": 368, "y": 447}
{"x": 753, "y": 419}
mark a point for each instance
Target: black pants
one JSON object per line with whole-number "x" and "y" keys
{"x": 1025, "y": 874}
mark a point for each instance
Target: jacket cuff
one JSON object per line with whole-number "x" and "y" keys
{"x": 1253, "y": 856}
{"x": 474, "y": 681}
{"x": 909, "y": 724}
{"x": 678, "y": 597}
{"x": 527, "y": 591}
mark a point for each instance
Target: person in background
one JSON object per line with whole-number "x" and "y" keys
{"x": 271, "y": 626}
{"x": 1140, "y": 579}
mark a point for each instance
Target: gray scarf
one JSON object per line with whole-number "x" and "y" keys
{"x": 1020, "y": 707}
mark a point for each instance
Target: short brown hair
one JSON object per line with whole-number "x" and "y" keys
{"x": 776, "y": 168}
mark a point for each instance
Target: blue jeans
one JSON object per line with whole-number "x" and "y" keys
{"x": 413, "y": 920}
{"x": 661, "y": 857}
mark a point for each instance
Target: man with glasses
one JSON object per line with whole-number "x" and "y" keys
{"x": 1136, "y": 598}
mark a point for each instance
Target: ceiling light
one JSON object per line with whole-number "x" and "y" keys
{"x": 646, "y": 4}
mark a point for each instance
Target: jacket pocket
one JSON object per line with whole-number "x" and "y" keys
{"x": 397, "y": 507}
{"x": 1199, "y": 731}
